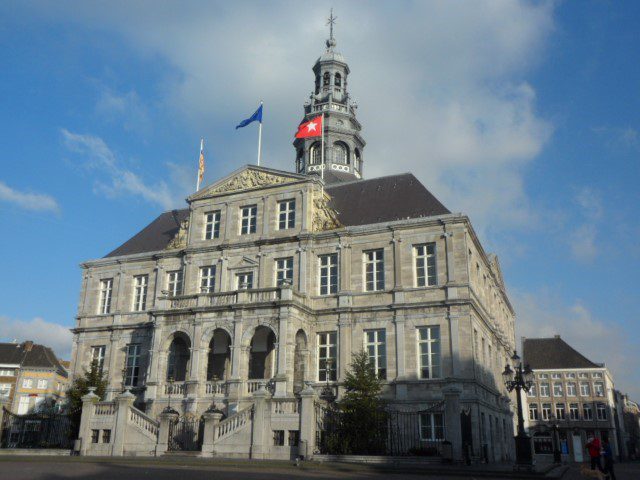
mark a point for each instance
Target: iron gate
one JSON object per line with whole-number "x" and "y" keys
{"x": 36, "y": 430}
{"x": 185, "y": 434}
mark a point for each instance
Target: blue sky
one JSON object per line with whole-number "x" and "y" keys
{"x": 522, "y": 114}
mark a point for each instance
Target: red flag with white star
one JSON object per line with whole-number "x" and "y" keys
{"x": 312, "y": 128}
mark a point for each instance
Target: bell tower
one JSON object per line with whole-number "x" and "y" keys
{"x": 343, "y": 144}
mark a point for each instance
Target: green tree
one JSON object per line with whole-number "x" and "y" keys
{"x": 363, "y": 421}
{"x": 94, "y": 377}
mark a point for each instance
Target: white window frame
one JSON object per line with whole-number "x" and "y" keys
{"x": 587, "y": 407}
{"x": 132, "y": 365}
{"x": 27, "y": 383}
{"x": 574, "y": 411}
{"x": 212, "y": 225}
{"x": 327, "y": 350}
{"x": 284, "y": 270}
{"x": 546, "y": 411}
{"x": 98, "y": 353}
{"x": 432, "y": 427}
{"x": 375, "y": 344}
{"x": 248, "y": 219}
{"x": 242, "y": 278}
{"x": 598, "y": 389}
{"x": 328, "y": 269}
{"x": 561, "y": 412}
{"x": 601, "y": 412}
{"x": 23, "y": 404}
{"x": 425, "y": 265}
{"x": 207, "y": 279}
{"x": 571, "y": 389}
{"x": 585, "y": 389}
{"x": 532, "y": 390}
{"x": 373, "y": 270}
{"x": 557, "y": 389}
{"x": 287, "y": 214}
{"x": 175, "y": 282}
{"x": 5, "y": 389}
{"x": 42, "y": 384}
{"x": 140, "y": 288}
{"x": 533, "y": 412}
{"x": 544, "y": 389}
{"x": 434, "y": 368}
{"x": 106, "y": 294}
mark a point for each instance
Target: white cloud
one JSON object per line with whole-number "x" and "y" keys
{"x": 96, "y": 155}
{"x": 544, "y": 314}
{"x": 442, "y": 89}
{"x": 38, "y": 202}
{"x": 53, "y": 335}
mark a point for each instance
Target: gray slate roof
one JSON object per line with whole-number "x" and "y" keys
{"x": 358, "y": 202}
{"x": 38, "y": 356}
{"x": 552, "y": 353}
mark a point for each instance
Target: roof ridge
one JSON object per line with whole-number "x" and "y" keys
{"x": 363, "y": 180}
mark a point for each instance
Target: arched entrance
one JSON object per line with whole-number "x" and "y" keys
{"x": 178, "y": 359}
{"x": 262, "y": 354}
{"x": 219, "y": 362}
{"x": 299, "y": 361}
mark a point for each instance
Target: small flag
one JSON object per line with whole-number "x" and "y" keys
{"x": 201, "y": 162}
{"x": 256, "y": 117}
{"x": 312, "y": 128}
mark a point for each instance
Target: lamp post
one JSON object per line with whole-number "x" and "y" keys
{"x": 168, "y": 408}
{"x": 557, "y": 458}
{"x": 519, "y": 379}
{"x": 327, "y": 392}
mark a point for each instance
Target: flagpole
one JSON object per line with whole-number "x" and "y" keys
{"x": 199, "y": 154}
{"x": 260, "y": 139}
{"x": 322, "y": 154}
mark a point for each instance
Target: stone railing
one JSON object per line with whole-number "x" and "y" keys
{"x": 142, "y": 421}
{"x": 219, "y": 299}
{"x": 223, "y": 299}
{"x": 289, "y": 406}
{"x": 176, "y": 388}
{"x": 104, "y": 408}
{"x": 234, "y": 422}
{"x": 184, "y": 301}
{"x": 254, "y": 385}
{"x": 216, "y": 388}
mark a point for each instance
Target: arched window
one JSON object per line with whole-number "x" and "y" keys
{"x": 219, "y": 355}
{"x": 300, "y": 161}
{"x": 337, "y": 80}
{"x": 358, "y": 162}
{"x": 178, "y": 360}
{"x": 315, "y": 154}
{"x": 326, "y": 79}
{"x": 340, "y": 153}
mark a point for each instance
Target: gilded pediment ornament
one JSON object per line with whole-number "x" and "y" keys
{"x": 324, "y": 217}
{"x": 249, "y": 179}
{"x": 180, "y": 238}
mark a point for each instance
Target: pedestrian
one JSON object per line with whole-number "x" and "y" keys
{"x": 594, "y": 446}
{"x": 607, "y": 454}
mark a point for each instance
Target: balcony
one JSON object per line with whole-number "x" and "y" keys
{"x": 226, "y": 299}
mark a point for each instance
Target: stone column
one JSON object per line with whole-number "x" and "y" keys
{"x": 454, "y": 335}
{"x": 235, "y": 382}
{"x": 303, "y": 212}
{"x": 302, "y": 270}
{"x": 401, "y": 374}
{"x": 211, "y": 421}
{"x": 88, "y": 406}
{"x": 261, "y": 422}
{"x": 123, "y": 404}
{"x": 265, "y": 217}
{"x": 283, "y": 342}
{"x": 453, "y": 429}
{"x": 345, "y": 268}
{"x": 166, "y": 418}
{"x": 307, "y": 421}
{"x": 261, "y": 280}
{"x": 153, "y": 367}
{"x": 344, "y": 345}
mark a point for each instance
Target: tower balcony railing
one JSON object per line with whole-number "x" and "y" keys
{"x": 331, "y": 107}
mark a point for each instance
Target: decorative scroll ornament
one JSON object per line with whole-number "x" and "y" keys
{"x": 324, "y": 217}
{"x": 180, "y": 239}
{"x": 249, "y": 179}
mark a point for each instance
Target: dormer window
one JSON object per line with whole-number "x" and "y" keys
{"x": 341, "y": 153}
{"x": 316, "y": 154}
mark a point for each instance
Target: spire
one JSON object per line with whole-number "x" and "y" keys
{"x": 331, "y": 42}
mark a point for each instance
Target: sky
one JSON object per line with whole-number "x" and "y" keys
{"x": 522, "y": 115}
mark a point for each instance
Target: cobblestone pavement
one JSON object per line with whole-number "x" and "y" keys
{"x": 623, "y": 471}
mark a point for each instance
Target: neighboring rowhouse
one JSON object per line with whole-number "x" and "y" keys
{"x": 31, "y": 374}
{"x": 572, "y": 399}
{"x": 275, "y": 276}
{"x": 631, "y": 419}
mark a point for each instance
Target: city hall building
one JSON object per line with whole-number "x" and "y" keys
{"x": 263, "y": 287}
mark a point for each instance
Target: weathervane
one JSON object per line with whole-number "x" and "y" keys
{"x": 331, "y": 21}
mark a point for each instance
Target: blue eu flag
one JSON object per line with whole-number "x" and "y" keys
{"x": 257, "y": 116}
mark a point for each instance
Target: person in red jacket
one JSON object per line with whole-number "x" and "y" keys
{"x": 594, "y": 447}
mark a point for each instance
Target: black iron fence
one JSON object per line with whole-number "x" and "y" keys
{"x": 185, "y": 434}
{"x": 37, "y": 430}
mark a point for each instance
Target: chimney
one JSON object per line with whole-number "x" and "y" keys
{"x": 27, "y": 345}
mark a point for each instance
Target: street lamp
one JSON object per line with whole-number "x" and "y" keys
{"x": 168, "y": 408}
{"x": 327, "y": 392}
{"x": 519, "y": 379}
{"x": 557, "y": 458}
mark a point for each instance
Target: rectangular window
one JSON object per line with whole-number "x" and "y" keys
{"x": 544, "y": 389}
{"x": 278, "y": 437}
{"x": 375, "y": 345}
{"x": 429, "y": 351}
{"x": 140, "y": 283}
{"x": 546, "y": 411}
{"x": 132, "y": 373}
{"x": 27, "y": 383}
{"x": 328, "y": 273}
{"x": 571, "y": 389}
{"x": 543, "y": 376}
{"x": 106, "y": 436}
{"x": 23, "y": 405}
{"x": 248, "y": 219}
{"x": 587, "y": 411}
{"x": 532, "y": 390}
{"x": 7, "y": 373}
{"x": 596, "y": 375}
{"x": 584, "y": 375}
{"x": 286, "y": 214}
{"x": 327, "y": 356}
{"x": 574, "y": 412}
{"x": 374, "y": 270}
{"x": 212, "y": 225}
{"x": 557, "y": 389}
{"x": 244, "y": 280}
{"x": 560, "y": 412}
{"x": 174, "y": 282}
{"x": 431, "y": 426}
{"x": 97, "y": 356}
{"x": 42, "y": 384}
{"x": 533, "y": 411}
{"x": 598, "y": 389}
{"x": 425, "y": 258}
{"x": 585, "y": 389}
{"x": 106, "y": 288}
{"x": 294, "y": 438}
{"x": 570, "y": 375}
{"x": 95, "y": 436}
{"x": 601, "y": 411}
{"x": 284, "y": 271}
{"x": 556, "y": 376}
{"x": 207, "y": 279}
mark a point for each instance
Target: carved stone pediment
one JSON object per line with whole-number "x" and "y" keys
{"x": 180, "y": 238}
{"x": 324, "y": 217}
